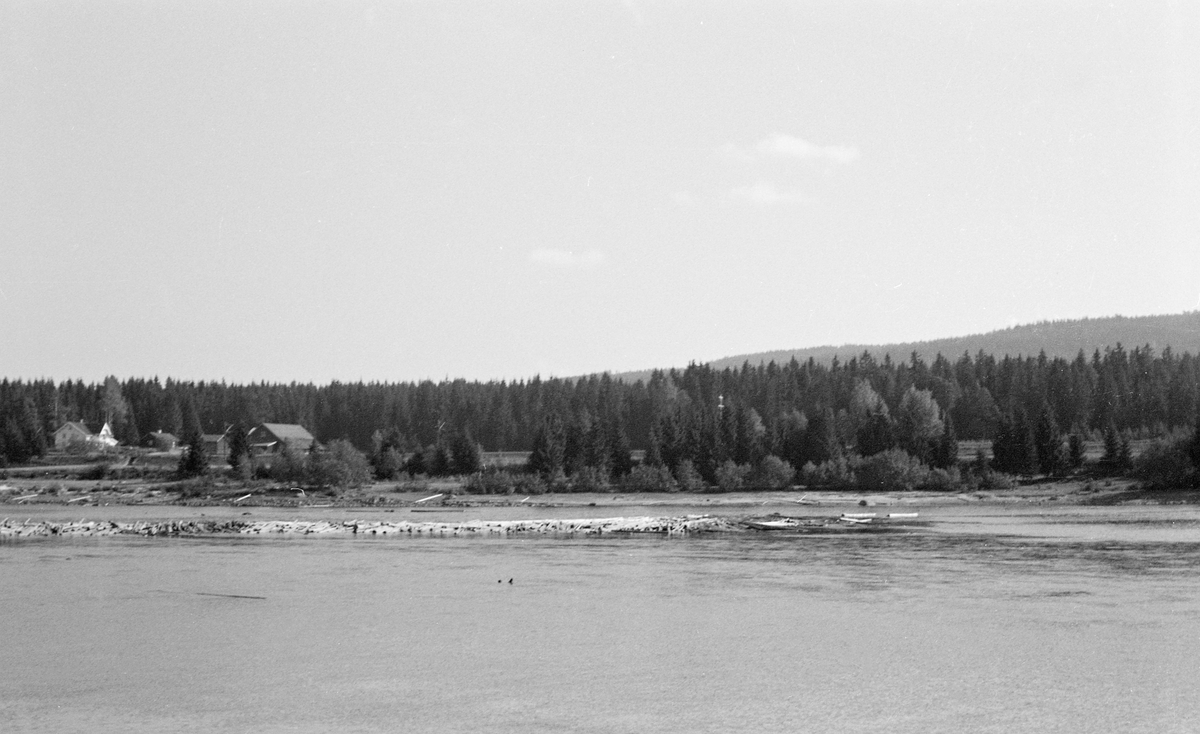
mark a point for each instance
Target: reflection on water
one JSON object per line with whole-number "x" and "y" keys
{"x": 987, "y": 621}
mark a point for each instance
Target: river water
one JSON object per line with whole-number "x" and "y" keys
{"x": 988, "y": 619}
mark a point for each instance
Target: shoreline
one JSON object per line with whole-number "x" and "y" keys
{"x": 381, "y": 497}
{"x": 236, "y": 512}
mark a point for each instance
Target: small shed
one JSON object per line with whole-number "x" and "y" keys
{"x": 161, "y": 441}
{"x": 216, "y": 445}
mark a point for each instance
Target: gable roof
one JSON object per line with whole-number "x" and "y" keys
{"x": 77, "y": 425}
{"x": 288, "y": 431}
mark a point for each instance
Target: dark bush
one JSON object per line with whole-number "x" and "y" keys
{"x": 732, "y": 477}
{"x": 490, "y": 482}
{"x": 590, "y": 479}
{"x": 340, "y": 465}
{"x": 831, "y": 473}
{"x": 529, "y": 484}
{"x": 97, "y": 471}
{"x": 649, "y": 479}
{"x": 891, "y": 469}
{"x": 689, "y": 477}
{"x": 773, "y": 472}
{"x": 1165, "y": 464}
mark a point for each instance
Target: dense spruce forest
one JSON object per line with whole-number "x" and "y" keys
{"x": 799, "y": 412}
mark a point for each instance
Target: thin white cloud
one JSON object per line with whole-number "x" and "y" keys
{"x": 566, "y": 258}
{"x": 780, "y": 145}
{"x": 765, "y": 193}
{"x": 793, "y": 147}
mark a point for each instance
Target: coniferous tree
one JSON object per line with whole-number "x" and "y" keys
{"x": 654, "y": 448}
{"x": 945, "y": 453}
{"x": 1048, "y": 442}
{"x": 442, "y": 463}
{"x": 597, "y": 453}
{"x": 239, "y": 446}
{"x": 1028, "y": 443}
{"x": 549, "y": 450}
{"x": 14, "y": 446}
{"x": 174, "y": 418}
{"x": 1014, "y": 450}
{"x": 191, "y": 418}
{"x": 417, "y": 462}
{"x": 29, "y": 437}
{"x": 1003, "y": 454}
{"x": 620, "y": 457}
{"x": 672, "y": 440}
{"x": 574, "y": 443}
{"x": 1193, "y": 446}
{"x": 194, "y": 461}
{"x": 821, "y": 442}
{"x": 466, "y": 456}
{"x": 1117, "y": 456}
{"x": 709, "y": 447}
{"x": 727, "y": 446}
{"x": 1124, "y": 454}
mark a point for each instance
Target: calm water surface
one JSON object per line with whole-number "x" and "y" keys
{"x": 1000, "y": 620}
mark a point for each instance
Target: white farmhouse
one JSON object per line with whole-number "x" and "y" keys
{"x": 75, "y": 433}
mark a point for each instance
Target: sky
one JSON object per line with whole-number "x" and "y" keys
{"x": 398, "y": 191}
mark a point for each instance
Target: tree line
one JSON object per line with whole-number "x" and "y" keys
{"x": 800, "y": 412}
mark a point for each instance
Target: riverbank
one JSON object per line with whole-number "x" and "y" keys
{"x": 583, "y": 514}
{"x": 31, "y": 493}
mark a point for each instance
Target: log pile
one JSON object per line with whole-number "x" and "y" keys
{"x": 587, "y": 526}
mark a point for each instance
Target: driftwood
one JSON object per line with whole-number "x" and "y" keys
{"x": 584, "y": 526}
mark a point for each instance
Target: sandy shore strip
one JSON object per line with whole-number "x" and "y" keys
{"x": 588, "y": 526}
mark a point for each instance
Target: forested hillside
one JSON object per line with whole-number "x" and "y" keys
{"x": 1064, "y": 339}
{"x": 801, "y": 412}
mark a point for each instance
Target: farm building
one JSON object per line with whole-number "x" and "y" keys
{"x": 161, "y": 441}
{"x": 76, "y": 433}
{"x": 216, "y": 445}
{"x": 72, "y": 433}
{"x": 273, "y": 438}
{"x": 105, "y": 437}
